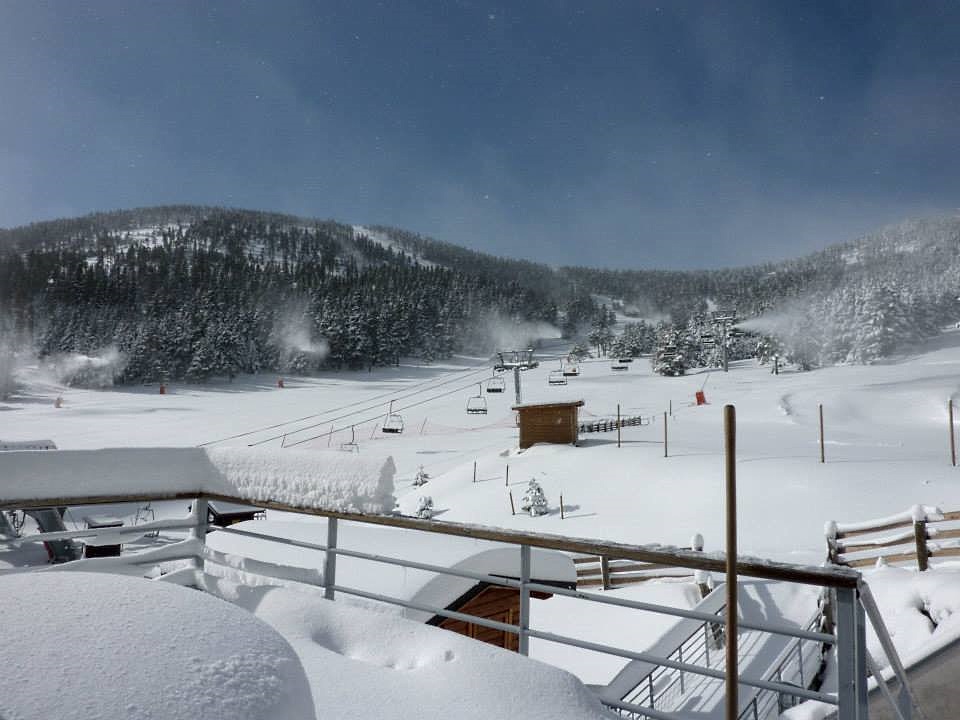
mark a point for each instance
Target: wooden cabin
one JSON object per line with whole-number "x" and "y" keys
{"x": 491, "y": 602}
{"x": 554, "y": 422}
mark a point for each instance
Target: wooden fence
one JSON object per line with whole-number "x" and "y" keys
{"x": 609, "y": 573}
{"x": 916, "y": 536}
{"x": 611, "y": 425}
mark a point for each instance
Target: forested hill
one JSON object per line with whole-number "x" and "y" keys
{"x": 188, "y": 292}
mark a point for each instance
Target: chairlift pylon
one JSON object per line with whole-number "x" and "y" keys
{"x": 477, "y": 404}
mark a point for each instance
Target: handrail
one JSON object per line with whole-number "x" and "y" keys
{"x": 835, "y": 577}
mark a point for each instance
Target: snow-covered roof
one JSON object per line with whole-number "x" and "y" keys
{"x": 404, "y": 583}
{"x": 330, "y": 480}
{"x": 96, "y": 645}
{"x": 558, "y": 404}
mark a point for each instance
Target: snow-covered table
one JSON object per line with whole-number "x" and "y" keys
{"x": 89, "y": 646}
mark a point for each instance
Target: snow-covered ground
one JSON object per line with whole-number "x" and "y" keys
{"x": 887, "y": 448}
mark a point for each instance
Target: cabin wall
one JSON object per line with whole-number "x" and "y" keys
{"x": 548, "y": 425}
{"x": 492, "y": 603}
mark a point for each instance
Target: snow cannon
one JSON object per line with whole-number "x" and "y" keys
{"x": 701, "y": 397}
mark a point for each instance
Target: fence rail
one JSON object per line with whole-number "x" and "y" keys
{"x": 611, "y": 425}
{"x": 916, "y": 536}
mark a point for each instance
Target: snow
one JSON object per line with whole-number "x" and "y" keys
{"x": 309, "y": 479}
{"x": 95, "y": 646}
{"x": 420, "y": 586}
{"x": 365, "y": 664}
{"x": 886, "y": 429}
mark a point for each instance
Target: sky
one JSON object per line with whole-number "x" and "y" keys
{"x": 620, "y": 134}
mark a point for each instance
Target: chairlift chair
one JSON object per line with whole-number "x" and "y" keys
{"x": 477, "y": 404}
{"x": 571, "y": 370}
{"x": 393, "y": 422}
{"x": 351, "y": 446}
{"x": 619, "y": 365}
{"x": 625, "y": 359}
{"x": 496, "y": 385}
{"x": 556, "y": 377}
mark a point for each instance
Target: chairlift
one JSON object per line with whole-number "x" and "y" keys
{"x": 625, "y": 359}
{"x": 571, "y": 370}
{"x": 477, "y": 404}
{"x": 619, "y": 365}
{"x": 556, "y": 377}
{"x": 351, "y": 446}
{"x": 393, "y": 422}
{"x": 496, "y": 385}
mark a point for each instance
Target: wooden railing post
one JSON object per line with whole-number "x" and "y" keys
{"x": 920, "y": 538}
{"x": 604, "y": 572}
{"x": 198, "y": 515}
{"x": 730, "y": 456}
{"x": 330, "y": 561}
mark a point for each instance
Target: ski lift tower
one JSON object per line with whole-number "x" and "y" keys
{"x": 515, "y": 360}
{"x": 724, "y": 320}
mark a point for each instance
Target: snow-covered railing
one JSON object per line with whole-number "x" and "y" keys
{"x": 915, "y": 535}
{"x": 844, "y": 582}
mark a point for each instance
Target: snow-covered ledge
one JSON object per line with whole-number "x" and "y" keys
{"x": 328, "y": 480}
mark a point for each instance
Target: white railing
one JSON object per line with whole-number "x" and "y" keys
{"x": 669, "y": 670}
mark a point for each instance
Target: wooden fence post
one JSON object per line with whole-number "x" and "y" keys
{"x": 920, "y": 538}
{"x": 604, "y": 572}
{"x": 561, "y": 507}
{"x": 513, "y": 510}
{"x": 506, "y": 482}
{"x": 822, "y": 458}
{"x": 474, "y": 470}
{"x": 665, "y": 435}
{"x": 953, "y": 440}
{"x": 618, "y": 424}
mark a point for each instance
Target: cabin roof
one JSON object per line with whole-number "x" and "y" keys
{"x": 560, "y": 404}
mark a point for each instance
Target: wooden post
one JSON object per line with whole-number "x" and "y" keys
{"x": 506, "y": 482}
{"x": 665, "y": 435}
{"x": 604, "y": 572}
{"x": 513, "y": 510}
{"x": 730, "y": 446}
{"x": 618, "y": 424}
{"x": 822, "y": 458}
{"x": 953, "y": 437}
{"x": 561, "y": 507}
{"x": 474, "y": 470}
{"x": 671, "y": 407}
{"x": 920, "y": 538}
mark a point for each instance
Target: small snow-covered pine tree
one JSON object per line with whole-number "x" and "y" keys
{"x": 425, "y": 507}
{"x": 533, "y": 500}
{"x": 421, "y": 477}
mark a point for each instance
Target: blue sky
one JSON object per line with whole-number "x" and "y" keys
{"x": 620, "y": 134}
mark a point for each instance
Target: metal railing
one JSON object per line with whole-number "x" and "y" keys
{"x": 852, "y": 597}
